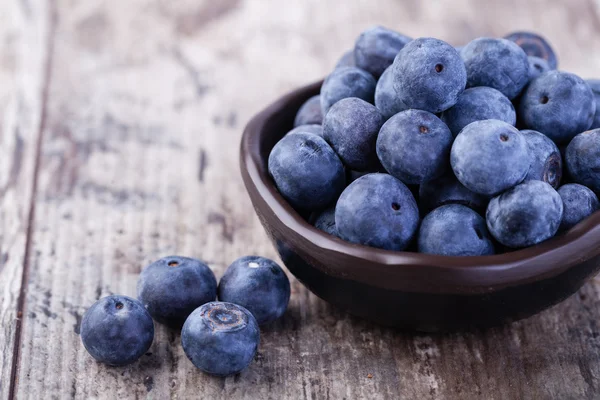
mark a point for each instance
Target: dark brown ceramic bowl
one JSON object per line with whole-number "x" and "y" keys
{"x": 410, "y": 290}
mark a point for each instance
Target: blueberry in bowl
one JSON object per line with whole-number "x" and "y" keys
{"x": 425, "y": 292}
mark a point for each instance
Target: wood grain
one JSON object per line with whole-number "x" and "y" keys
{"x": 138, "y": 160}
{"x": 23, "y": 52}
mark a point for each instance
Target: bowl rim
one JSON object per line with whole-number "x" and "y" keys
{"x": 544, "y": 260}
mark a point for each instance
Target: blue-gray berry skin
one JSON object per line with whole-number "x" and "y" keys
{"x": 454, "y": 230}
{"x": 117, "y": 330}
{"x": 525, "y": 215}
{"x": 351, "y": 127}
{"x": 448, "y": 190}
{"x": 490, "y": 156}
{"x": 583, "y": 159}
{"x": 386, "y": 100}
{"x": 595, "y": 86}
{"x": 306, "y": 170}
{"x": 346, "y": 60}
{"x": 220, "y": 338}
{"x": 496, "y": 63}
{"x": 428, "y": 75}
{"x": 257, "y": 284}
{"x": 477, "y": 104}
{"x": 558, "y": 104}
{"x": 579, "y": 202}
{"x": 310, "y": 112}
{"x": 376, "y": 48}
{"x": 172, "y": 287}
{"x": 537, "y": 66}
{"x": 312, "y": 128}
{"x": 377, "y": 210}
{"x": 325, "y": 221}
{"x": 534, "y": 45}
{"x": 414, "y": 146}
{"x": 546, "y": 161}
{"x": 346, "y": 82}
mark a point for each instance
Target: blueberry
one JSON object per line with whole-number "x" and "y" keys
{"x": 595, "y": 86}
{"x": 546, "y": 162}
{"x": 310, "y": 112}
{"x": 220, "y": 338}
{"x": 525, "y": 215}
{"x": 448, "y": 190}
{"x": 351, "y": 127}
{"x": 257, "y": 284}
{"x": 579, "y": 202}
{"x": 428, "y": 75}
{"x": 534, "y": 45}
{"x": 377, "y": 210}
{"x": 497, "y": 63}
{"x": 376, "y": 48}
{"x": 346, "y": 60}
{"x": 306, "y": 171}
{"x": 477, "y": 104}
{"x": 386, "y": 100}
{"x": 325, "y": 221}
{"x": 583, "y": 159}
{"x": 312, "y": 128}
{"x": 414, "y": 146}
{"x": 346, "y": 82}
{"x": 454, "y": 230}
{"x": 172, "y": 287}
{"x": 537, "y": 66}
{"x": 490, "y": 156}
{"x": 117, "y": 330}
{"x": 558, "y": 104}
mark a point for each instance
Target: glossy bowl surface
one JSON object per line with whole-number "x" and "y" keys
{"x": 404, "y": 289}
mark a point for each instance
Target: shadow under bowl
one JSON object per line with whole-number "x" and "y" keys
{"x": 410, "y": 290}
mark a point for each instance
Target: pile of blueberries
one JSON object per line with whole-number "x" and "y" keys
{"x": 219, "y": 337}
{"x": 413, "y": 144}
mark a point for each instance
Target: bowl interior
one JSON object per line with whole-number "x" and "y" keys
{"x": 383, "y": 268}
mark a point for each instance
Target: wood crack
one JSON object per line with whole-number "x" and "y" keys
{"x": 21, "y": 301}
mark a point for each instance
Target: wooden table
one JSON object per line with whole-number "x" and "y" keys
{"x": 119, "y": 144}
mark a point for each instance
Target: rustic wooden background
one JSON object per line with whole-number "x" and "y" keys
{"x": 120, "y": 123}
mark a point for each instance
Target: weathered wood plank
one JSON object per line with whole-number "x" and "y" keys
{"x": 139, "y": 160}
{"x": 23, "y": 29}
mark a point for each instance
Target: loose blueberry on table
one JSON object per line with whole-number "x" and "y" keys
{"x": 220, "y": 338}
{"x": 172, "y": 287}
{"x": 257, "y": 284}
{"x": 117, "y": 330}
